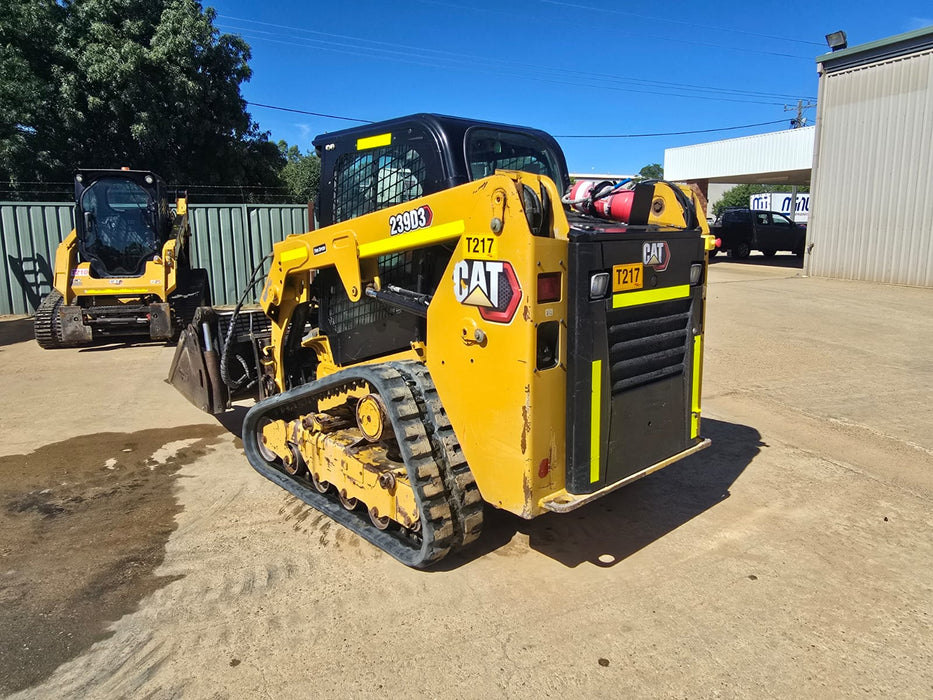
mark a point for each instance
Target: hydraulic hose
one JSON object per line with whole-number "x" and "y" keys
{"x": 232, "y": 384}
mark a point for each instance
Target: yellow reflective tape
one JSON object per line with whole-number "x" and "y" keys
{"x": 373, "y": 141}
{"x": 113, "y": 291}
{"x": 299, "y": 253}
{"x": 650, "y": 296}
{"x": 695, "y": 393}
{"x": 595, "y": 418}
{"x": 413, "y": 239}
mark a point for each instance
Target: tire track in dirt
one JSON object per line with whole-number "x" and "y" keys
{"x": 85, "y": 523}
{"x": 227, "y": 585}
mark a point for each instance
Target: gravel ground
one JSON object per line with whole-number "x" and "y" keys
{"x": 142, "y": 556}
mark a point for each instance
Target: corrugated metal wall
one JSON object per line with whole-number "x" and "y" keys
{"x": 227, "y": 239}
{"x": 29, "y": 234}
{"x": 872, "y": 203}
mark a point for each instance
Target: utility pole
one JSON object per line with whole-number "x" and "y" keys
{"x": 799, "y": 121}
{"x": 796, "y": 123}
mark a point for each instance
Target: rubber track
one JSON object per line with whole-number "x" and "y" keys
{"x": 466, "y": 503}
{"x": 47, "y": 324}
{"x": 437, "y": 529}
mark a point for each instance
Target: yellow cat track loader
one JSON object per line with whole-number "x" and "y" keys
{"x": 457, "y": 334}
{"x": 124, "y": 270}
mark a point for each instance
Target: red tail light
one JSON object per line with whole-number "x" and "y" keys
{"x": 548, "y": 287}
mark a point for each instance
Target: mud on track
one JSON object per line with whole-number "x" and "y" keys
{"x": 84, "y": 523}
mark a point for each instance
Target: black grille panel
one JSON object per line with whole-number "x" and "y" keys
{"x": 648, "y": 343}
{"x": 376, "y": 179}
{"x": 344, "y": 315}
{"x": 249, "y": 323}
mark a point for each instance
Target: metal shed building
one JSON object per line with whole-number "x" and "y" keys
{"x": 872, "y": 185}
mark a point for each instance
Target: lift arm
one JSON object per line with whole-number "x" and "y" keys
{"x": 480, "y": 208}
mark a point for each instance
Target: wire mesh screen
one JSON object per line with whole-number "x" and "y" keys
{"x": 249, "y": 323}
{"x": 380, "y": 178}
{"x": 344, "y": 315}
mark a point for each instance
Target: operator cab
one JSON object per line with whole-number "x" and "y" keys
{"x": 122, "y": 219}
{"x": 368, "y": 168}
{"x": 373, "y": 167}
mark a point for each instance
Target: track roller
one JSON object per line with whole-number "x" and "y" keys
{"x": 346, "y": 501}
{"x": 380, "y": 522}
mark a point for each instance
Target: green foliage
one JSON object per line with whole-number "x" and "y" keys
{"x": 150, "y": 84}
{"x": 301, "y": 174}
{"x": 739, "y": 195}
{"x": 654, "y": 171}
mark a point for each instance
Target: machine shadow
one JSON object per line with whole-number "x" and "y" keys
{"x": 232, "y": 419}
{"x": 121, "y": 343}
{"x": 21, "y": 330}
{"x": 613, "y": 528}
{"x": 16, "y": 330}
{"x": 33, "y": 274}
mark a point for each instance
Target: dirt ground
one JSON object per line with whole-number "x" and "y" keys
{"x": 142, "y": 556}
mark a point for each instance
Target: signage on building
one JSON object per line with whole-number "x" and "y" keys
{"x": 781, "y": 201}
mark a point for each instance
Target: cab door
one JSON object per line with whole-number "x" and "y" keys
{"x": 784, "y": 232}
{"x": 764, "y": 233}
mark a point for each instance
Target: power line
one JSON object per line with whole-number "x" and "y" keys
{"x": 409, "y": 51}
{"x": 570, "y": 136}
{"x": 677, "y": 39}
{"x": 602, "y": 9}
{"x": 313, "y": 114}
{"x": 666, "y": 133}
{"x": 603, "y": 82}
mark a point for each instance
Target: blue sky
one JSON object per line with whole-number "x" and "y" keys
{"x": 570, "y": 67}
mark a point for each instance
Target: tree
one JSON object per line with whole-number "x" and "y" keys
{"x": 654, "y": 171}
{"x": 146, "y": 83}
{"x": 739, "y": 195}
{"x": 301, "y": 174}
{"x": 30, "y": 62}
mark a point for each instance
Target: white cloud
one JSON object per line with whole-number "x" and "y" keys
{"x": 305, "y": 133}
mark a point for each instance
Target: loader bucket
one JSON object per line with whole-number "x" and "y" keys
{"x": 195, "y": 369}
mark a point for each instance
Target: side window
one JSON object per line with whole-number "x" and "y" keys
{"x": 762, "y": 218}
{"x": 781, "y": 220}
{"x": 372, "y": 180}
{"x": 489, "y": 150}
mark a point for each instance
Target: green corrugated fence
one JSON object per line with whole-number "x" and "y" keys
{"x": 227, "y": 239}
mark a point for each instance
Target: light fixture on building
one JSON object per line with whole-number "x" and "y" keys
{"x": 836, "y": 40}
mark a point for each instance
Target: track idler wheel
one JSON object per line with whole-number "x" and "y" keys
{"x": 266, "y": 453}
{"x": 372, "y": 418}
